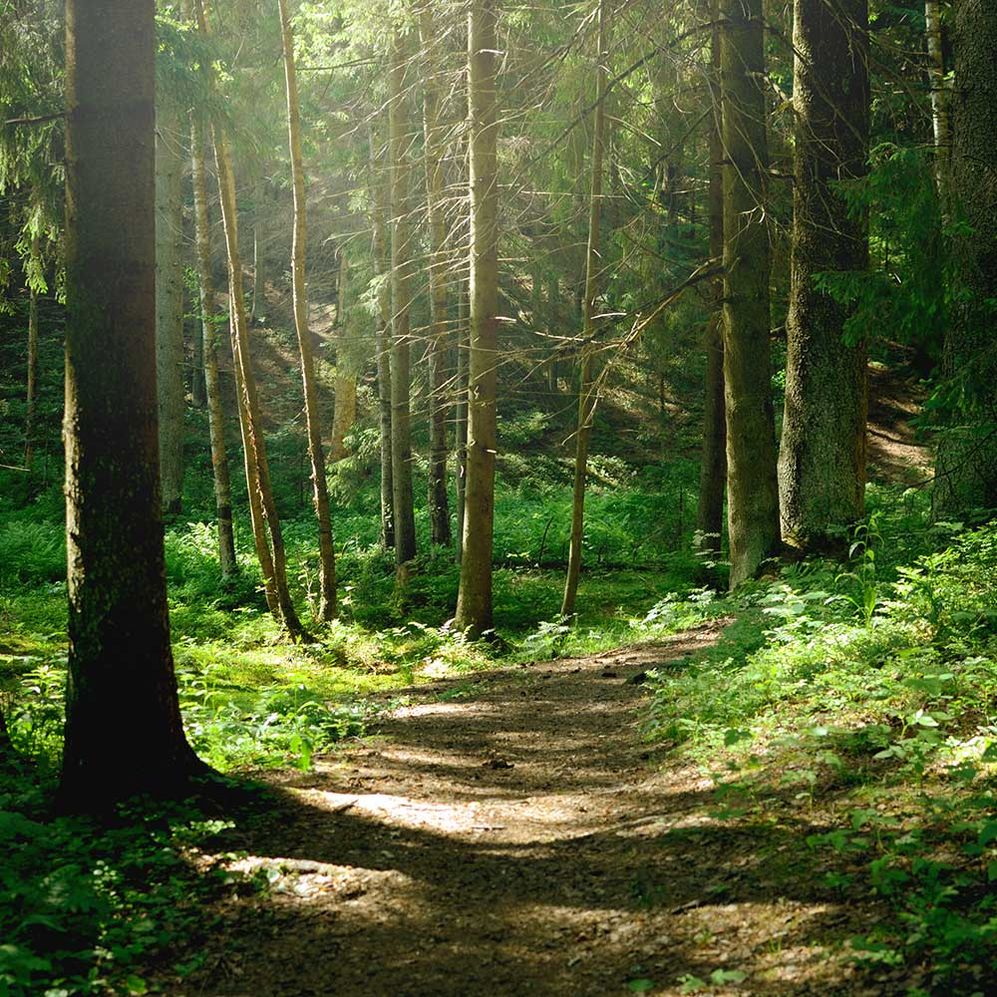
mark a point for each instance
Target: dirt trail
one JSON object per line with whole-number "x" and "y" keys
{"x": 509, "y": 835}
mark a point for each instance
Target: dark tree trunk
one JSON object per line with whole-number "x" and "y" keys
{"x": 822, "y": 458}
{"x": 123, "y": 729}
{"x": 31, "y": 399}
{"x": 752, "y": 487}
{"x": 169, "y": 303}
{"x": 967, "y": 451}
{"x": 382, "y": 346}
{"x": 439, "y": 512}
{"x": 713, "y": 467}
{"x": 401, "y": 305}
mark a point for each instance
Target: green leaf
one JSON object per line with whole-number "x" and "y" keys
{"x": 727, "y": 976}
{"x": 640, "y": 986}
{"x": 136, "y": 985}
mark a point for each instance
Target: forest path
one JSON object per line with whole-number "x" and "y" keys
{"x": 507, "y": 834}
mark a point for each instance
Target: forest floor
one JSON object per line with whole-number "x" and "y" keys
{"x": 510, "y": 833}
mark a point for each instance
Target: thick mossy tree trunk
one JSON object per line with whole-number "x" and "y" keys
{"x": 262, "y": 507}
{"x": 401, "y": 302}
{"x": 382, "y": 337}
{"x": 752, "y": 488}
{"x": 474, "y": 598}
{"x": 593, "y": 262}
{"x": 713, "y": 466}
{"x": 123, "y": 734}
{"x": 313, "y": 426}
{"x": 209, "y": 353}
{"x": 169, "y": 302}
{"x": 439, "y": 512}
{"x": 823, "y": 454}
{"x": 967, "y": 450}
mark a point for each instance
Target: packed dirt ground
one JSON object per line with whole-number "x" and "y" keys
{"x": 510, "y": 833}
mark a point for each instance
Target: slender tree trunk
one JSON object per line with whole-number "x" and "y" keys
{"x": 262, "y": 508}
{"x": 382, "y": 336}
{"x": 439, "y": 513}
{"x": 316, "y": 454}
{"x": 169, "y": 303}
{"x": 124, "y": 734}
{"x": 345, "y": 414}
{"x": 198, "y": 389}
{"x": 822, "y": 457}
{"x": 586, "y": 387}
{"x": 967, "y": 449}
{"x": 401, "y": 304}
{"x": 463, "y": 348}
{"x": 258, "y": 286}
{"x": 31, "y": 400}
{"x": 940, "y": 97}
{"x": 474, "y": 598}
{"x": 213, "y": 396}
{"x": 713, "y": 467}
{"x": 752, "y": 486}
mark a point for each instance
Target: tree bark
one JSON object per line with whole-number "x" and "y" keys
{"x": 401, "y": 304}
{"x": 823, "y": 454}
{"x": 460, "y": 434}
{"x": 124, "y": 733}
{"x": 31, "y": 399}
{"x": 940, "y": 97}
{"x": 169, "y": 303}
{"x": 316, "y": 454}
{"x": 262, "y": 508}
{"x": 967, "y": 450}
{"x": 752, "y": 487}
{"x": 209, "y": 352}
{"x": 713, "y": 465}
{"x": 586, "y": 387}
{"x": 382, "y": 346}
{"x": 439, "y": 512}
{"x": 474, "y": 598}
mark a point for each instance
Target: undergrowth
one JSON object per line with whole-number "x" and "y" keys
{"x": 864, "y": 699}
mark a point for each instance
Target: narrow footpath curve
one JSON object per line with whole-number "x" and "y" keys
{"x": 509, "y": 834}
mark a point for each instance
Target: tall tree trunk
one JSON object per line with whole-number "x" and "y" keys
{"x": 262, "y": 508}
{"x": 586, "y": 385}
{"x": 823, "y": 452}
{"x": 460, "y": 434}
{"x": 713, "y": 466}
{"x": 401, "y": 304}
{"x": 213, "y": 396}
{"x": 439, "y": 513}
{"x": 752, "y": 487}
{"x": 967, "y": 450}
{"x": 31, "y": 400}
{"x": 940, "y": 97}
{"x": 169, "y": 303}
{"x": 316, "y": 454}
{"x": 124, "y": 733}
{"x": 345, "y": 414}
{"x": 474, "y": 597}
{"x": 382, "y": 336}
{"x": 198, "y": 389}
